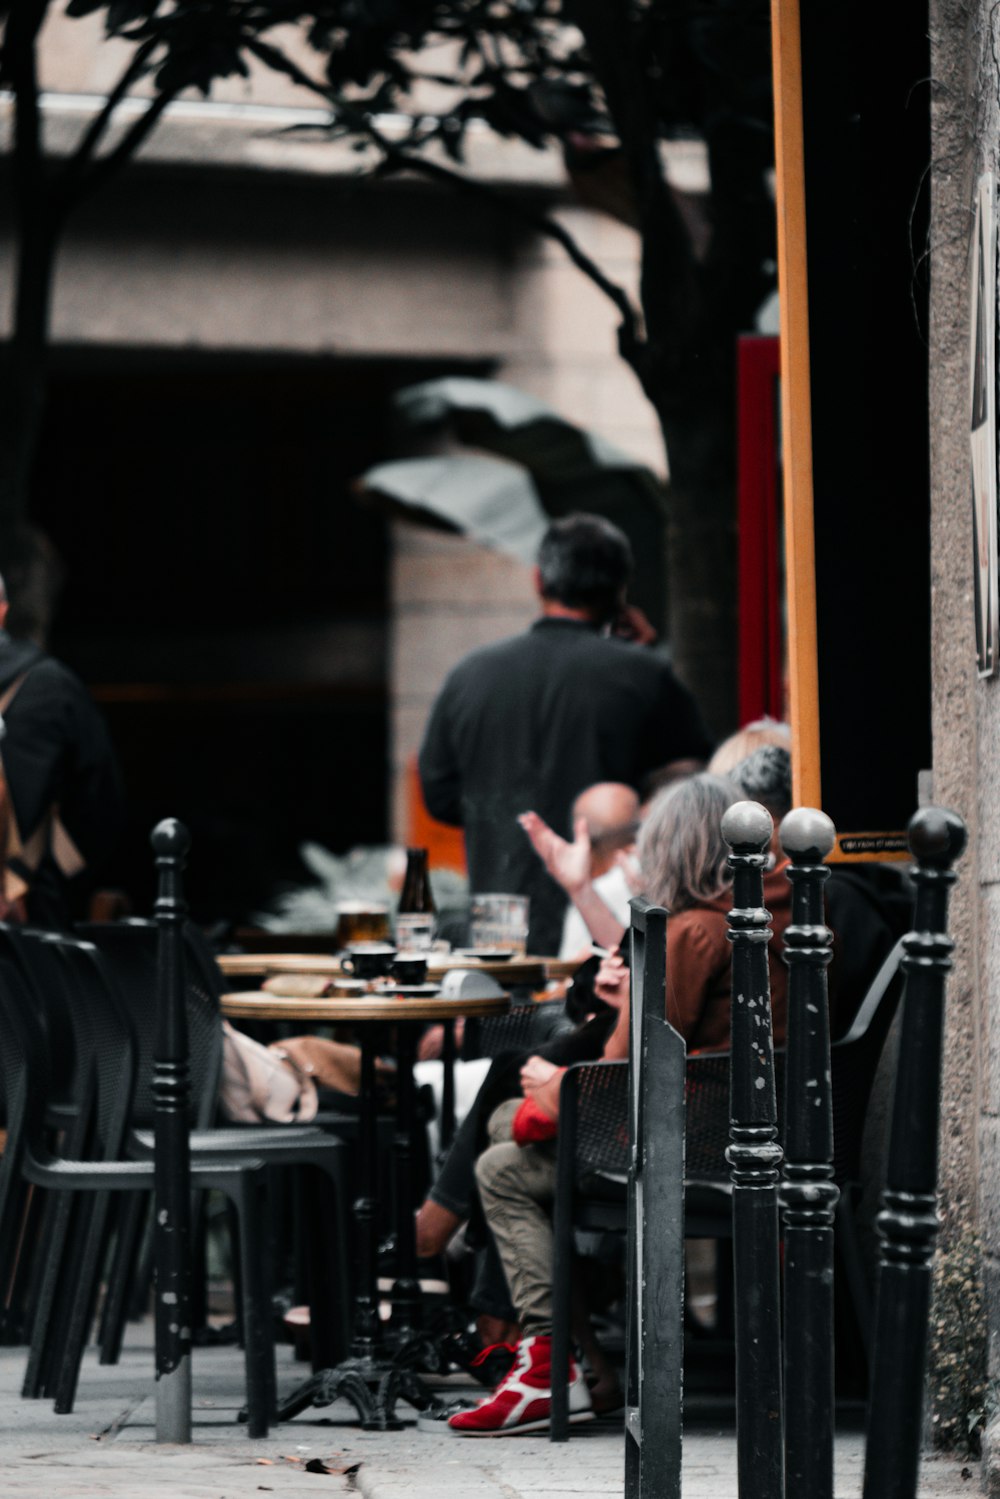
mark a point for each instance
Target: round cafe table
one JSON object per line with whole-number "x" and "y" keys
{"x": 375, "y": 1376}
{"x": 520, "y": 969}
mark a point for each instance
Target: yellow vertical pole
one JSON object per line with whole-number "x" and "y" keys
{"x": 796, "y": 412}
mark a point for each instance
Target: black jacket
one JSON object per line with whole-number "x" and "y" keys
{"x": 56, "y": 750}
{"x": 528, "y": 724}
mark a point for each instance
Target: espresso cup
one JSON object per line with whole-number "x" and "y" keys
{"x": 368, "y": 960}
{"x": 410, "y": 968}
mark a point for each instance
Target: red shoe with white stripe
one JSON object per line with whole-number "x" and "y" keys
{"x": 523, "y": 1401}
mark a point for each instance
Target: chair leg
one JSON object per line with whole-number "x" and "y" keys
{"x": 247, "y": 1198}
{"x": 142, "y": 1283}
{"x": 66, "y": 1211}
{"x": 133, "y": 1211}
{"x": 86, "y": 1285}
{"x": 15, "y": 1200}
{"x": 326, "y": 1272}
{"x": 852, "y": 1260}
{"x": 29, "y": 1207}
{"x": 562, "y": 1275}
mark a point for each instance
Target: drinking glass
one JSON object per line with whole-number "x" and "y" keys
{"x": 499, "y": 921}
{"x": 362, "y": 921}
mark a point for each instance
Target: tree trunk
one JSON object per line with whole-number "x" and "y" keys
{"x": 27, "y": 562}
{"x": 701, "y": 556}
{"x": 24, "y": 372}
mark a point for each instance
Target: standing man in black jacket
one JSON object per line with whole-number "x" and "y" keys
{"x": 529, "y": 723}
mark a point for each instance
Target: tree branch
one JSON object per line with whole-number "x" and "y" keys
{"x": 670, "y": 283}
{"x": 106, "y": 166}
{"x": 20, "y": 67}
{"x": 94, "y": 133}
{"x": 396, "y": 158}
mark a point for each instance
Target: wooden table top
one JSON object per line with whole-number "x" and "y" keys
{"x": 370, "y": 1007}
{"x": 513, "y": 970}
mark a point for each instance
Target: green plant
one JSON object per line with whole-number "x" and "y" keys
{"x": 963, "y": 1398}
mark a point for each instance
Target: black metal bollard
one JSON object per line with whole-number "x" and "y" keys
{"x": 908, "y": 1222}
{"x": 171, "y": 1092}
{"x": 755, "y": 1158}
{"x": 809, "y": 1195}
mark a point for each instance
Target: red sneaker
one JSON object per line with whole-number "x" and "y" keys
{"x": 523, "y": 1401}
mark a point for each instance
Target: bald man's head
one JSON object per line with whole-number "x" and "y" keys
{"x": 611, "y": 812}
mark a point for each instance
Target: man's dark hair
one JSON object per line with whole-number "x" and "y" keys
{"x": 585, "y": 562}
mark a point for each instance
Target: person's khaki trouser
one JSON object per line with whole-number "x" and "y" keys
{"x": 517, "y": 1186}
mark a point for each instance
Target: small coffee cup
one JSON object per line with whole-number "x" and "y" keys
{"x": 368, "y": 960}
{"x": 410, "y": 968}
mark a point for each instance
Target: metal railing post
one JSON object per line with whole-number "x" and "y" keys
{"x": 654, "y": 1336}
{"x": 809, "y": 1195}
{"x": 172, "y": 1185}
{"x": 908, "y": 1222}
{"x": 755, "y": 1158}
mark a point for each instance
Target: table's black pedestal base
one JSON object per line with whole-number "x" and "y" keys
{"x": 371, "y": 1385}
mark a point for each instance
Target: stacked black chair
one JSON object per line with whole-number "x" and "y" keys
{"x": 57, "y": 1343}
{"x": 128, "y": 955}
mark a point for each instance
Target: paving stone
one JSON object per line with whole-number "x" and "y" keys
{"x": 105, "y": 1448}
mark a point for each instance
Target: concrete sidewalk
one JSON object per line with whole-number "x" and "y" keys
{"x": 106, "y": 1448}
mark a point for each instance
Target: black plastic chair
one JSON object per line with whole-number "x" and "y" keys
{"x": 107, "y": 1172}
{"x": 854, "y": 1060}
{"x": 593, "y": 1149}
{"x": 128, "y": 956}
{"x": 518, "y": 1029}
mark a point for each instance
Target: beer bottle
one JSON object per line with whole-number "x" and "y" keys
{"x": 415, "y": 914}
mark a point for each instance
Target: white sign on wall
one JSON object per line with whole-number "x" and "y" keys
{"x": 983, "y": 424}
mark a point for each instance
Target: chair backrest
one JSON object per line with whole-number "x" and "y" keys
{"x": 45, "y": 981}
{"x": 854, "y": 1060}
{"x": 492, "y": 1036}
{"x": 601, "y": 1120}
{"x": 24, "y": 1056}
{"x": 129, "y": 952}
{"x": 655, "y": 1300}
{"x": 100, "y": 1023}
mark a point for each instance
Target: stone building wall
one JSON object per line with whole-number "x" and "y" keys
{"x": 966, "y": 710}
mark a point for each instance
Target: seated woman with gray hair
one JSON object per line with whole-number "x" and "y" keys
{"x": 683, "y": 857}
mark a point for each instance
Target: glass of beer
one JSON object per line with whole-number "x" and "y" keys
{"x": 362, "y": 921}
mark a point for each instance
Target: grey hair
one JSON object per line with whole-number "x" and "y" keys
{"x": 682, "y": 852}
{"x": 766, "y": 776}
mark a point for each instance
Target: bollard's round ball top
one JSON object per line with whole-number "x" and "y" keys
{"x": 747, "y": 827}
{"x": 937, "y": 836}
{"x": 807, "y": 835}
{"x": 170, "y": 839}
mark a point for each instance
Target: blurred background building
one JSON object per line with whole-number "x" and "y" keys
{"x": 232, "y": 316}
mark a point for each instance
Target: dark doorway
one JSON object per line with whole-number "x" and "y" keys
{"x": 226, "y": 600}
